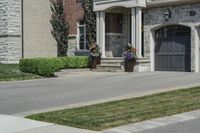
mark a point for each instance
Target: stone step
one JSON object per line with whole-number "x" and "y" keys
{"x": 109, "y": 66}
{"x": 114, "y": 63}
{"x": 113, "y": 58}
{"x": 111, "y": 61}
{"x": 108, "y": 70}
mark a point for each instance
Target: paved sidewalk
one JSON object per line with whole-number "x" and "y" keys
{"x": 11, "y": 124}
{"x": 187, "y": 122}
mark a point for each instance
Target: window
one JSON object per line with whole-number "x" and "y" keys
{"x": 114, "y": 22}
{"x": 82, "y": 41}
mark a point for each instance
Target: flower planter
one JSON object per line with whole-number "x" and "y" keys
{"x": 130, "y": 57}
{"x": 98, "y": 60}
{"x": 95, "y": 56}
{"x": 93, "y": 62}
{"x": 129, "y": 66}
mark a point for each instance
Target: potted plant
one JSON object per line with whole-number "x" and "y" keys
{"x": 130, "y": 57}
{"x": 95, "y": 56}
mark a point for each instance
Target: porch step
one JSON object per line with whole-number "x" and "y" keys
{"x": 111, "y": 62}
{"x": 113, "y": 58}
{"x": 116, "y": 64}
{"x": 110, "y": 65}
{"x": 109, "y": 70}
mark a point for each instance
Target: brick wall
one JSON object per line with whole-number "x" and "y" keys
{"x": 74, "y": 13}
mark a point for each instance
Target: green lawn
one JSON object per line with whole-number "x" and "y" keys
{"x": 113, "y": 114}
{"x": 11, "y": 72}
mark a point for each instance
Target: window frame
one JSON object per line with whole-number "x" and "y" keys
{"x": 79, "y": 35}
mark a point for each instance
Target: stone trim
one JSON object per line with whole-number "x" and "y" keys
{"x": 72, "y": 36}
{"x": 2, "y": 36}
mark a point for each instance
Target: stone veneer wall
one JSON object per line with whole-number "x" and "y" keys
{"x": 168, "y": 2}
{"x": 154, "y": 19}
{"x": 72, "y": 45}
{"x": 10, "y": 31}
{"x": 142, "y": 65}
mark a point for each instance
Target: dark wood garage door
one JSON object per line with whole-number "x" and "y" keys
{"x": 173, "y": 49}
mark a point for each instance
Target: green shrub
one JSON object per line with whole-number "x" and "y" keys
{"x": 76, "y": 62}
{"x": 48, "y": 66}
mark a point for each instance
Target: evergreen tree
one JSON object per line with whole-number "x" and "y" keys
{"x": 90, "y": 21}
{"x": 60, "y": 30}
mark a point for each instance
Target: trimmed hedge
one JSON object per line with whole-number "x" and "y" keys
{"x": 48, "y": 66}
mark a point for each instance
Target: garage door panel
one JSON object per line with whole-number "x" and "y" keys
{"x": 173, "y": 50}
{"x": 179, "y": 62}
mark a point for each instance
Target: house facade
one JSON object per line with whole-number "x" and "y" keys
{"x": 25, "y": 31}
{"x": 77, "y": 29}
{"x": 165, "y": 33}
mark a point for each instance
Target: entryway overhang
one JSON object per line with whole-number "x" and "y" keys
{"x": 100, "y": 5}
{"x": 135, "y": 6}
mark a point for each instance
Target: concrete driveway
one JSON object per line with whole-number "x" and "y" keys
{"x": 80, "y": 87}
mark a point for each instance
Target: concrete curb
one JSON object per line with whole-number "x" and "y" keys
{"x": 131, "y": 128}
{"x": 155, "y": 123}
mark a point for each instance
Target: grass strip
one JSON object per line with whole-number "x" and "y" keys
{"x": 112, "y": 114}
{"x": 10, "y": 72}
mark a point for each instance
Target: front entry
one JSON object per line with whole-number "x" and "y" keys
{"x": 173, "y": 49}
{"x": 116, "y": 33}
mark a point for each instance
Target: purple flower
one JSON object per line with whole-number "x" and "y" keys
{"x": 129, "y": 56}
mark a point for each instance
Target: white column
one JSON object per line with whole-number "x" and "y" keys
{"x": 139, "y": 31}
{"x": 196, "y": 51}
{"x": 98, "y": 28}
{"x": 102, "y": 33}
{"x": 133, "y": 27}
{"x": 152, "y": 49}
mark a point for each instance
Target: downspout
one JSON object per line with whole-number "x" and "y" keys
{"x": 22, "y": 26}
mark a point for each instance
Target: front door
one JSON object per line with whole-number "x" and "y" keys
{"x": 114, "y": 34}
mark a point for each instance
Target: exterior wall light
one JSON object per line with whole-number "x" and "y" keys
{"x": 193, "y": 13}
{"x": 167, "y": 15}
